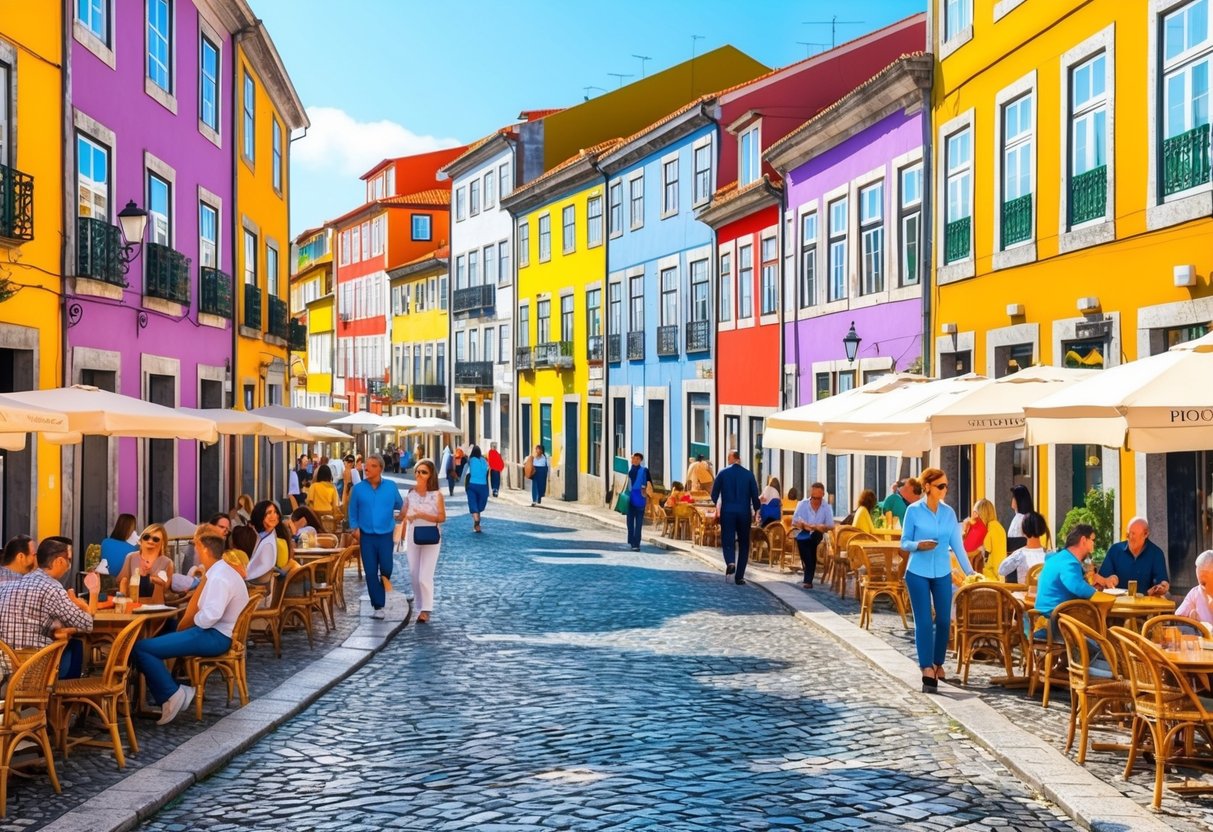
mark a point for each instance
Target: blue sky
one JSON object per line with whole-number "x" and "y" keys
{"x": 391, "y": 77}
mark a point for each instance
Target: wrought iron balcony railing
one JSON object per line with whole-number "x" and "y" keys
{"x": 98, "y": 251}
{"x": 279, "y": 318}
{"x": 430, "y": 393}
{"x": 214, "y": 292}
{"x": 554, "y": 354}
{"x": 593, "y": 349}
{"x": 1089, "y": 195}
{"x": 16, "y": 204}
{"x": 699, "y": 336}
{"x": 252, "y": 306}
{"x": 167, "y": 275}
{"x": 1016, "y": 220}
{"x": 636, "y": 346}
{"x": 524, "y": 358}
{"x": 614, "y": 348}
{"x": 475, "y": 374}
{"x": 667, "y": 339}
{"x": 1185, "y": 160}
{"x": 956, "y": 240}
{"x": 478, "y": 299}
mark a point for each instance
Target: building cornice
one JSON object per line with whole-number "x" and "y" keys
{"x": 258, "y": 46}
{"x": 741, "y": 203}
{"x": 423, "y": 268}
{"x": 653, "y": 138}
{"x": 478, "y": 155}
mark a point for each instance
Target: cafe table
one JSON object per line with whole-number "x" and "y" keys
{"x": 1135, "y": 610}
{"x": 108, "y": 623}
{"x": 307, "y": 555}
{"x": 887, "y": 533}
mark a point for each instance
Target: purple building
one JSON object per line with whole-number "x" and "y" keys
{"x": 151, "y": 123}
{"x": 854, "y": 213}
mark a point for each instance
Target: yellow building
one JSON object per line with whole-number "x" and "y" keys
{"x": 420, "y": 332}
{"x": 559, "y": 358}
{"x": 1072, "y": 220}
{"x": 31, "y": 236}
{"x": 312, "y": 331}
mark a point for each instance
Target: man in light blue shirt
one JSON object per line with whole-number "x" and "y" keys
{"x": 811, "y": 520}
{"x": 372, "y": 515}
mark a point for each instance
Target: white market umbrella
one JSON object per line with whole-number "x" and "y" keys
{"x": 1157, "y": 404}
{"x": 362, "y": 418}
{"x": 400, "y": 422}
{"x": 94, "y": 412}
{"x": 247, "y": 423}
{"x": 17, "y": 419}
{"x": 433, "y": 426}
{"x": 994, "y": 412}
{"x": 324, "y": 434}
{"x": 801, "y": 428}
{"x": 301, "y": 415}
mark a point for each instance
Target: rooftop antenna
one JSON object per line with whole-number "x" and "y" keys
{"x": 620, "y": 76}
{"x": 695, "y": 38}
{"x": 833, "y": 24}
{"x": 586, "y": 91}
{"x": 643, "y": 60}
{"x": 809, "y": 46}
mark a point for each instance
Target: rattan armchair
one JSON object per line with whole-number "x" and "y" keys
{"x": 232, "y": 665}
{"x": 1047, "y": 654}
{"x": 24, "y": 714}
{"x": 878, "y": 572}
{"x": 1103, "y": 698}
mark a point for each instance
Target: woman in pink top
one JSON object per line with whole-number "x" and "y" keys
{"x": 1198, "y": 603}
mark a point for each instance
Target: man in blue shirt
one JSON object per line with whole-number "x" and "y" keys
{"x": 812, "y": 519}
{"x": 1137, "y": 559}
{"x": 372, "y": 515}
{"x": 736, "y": 492}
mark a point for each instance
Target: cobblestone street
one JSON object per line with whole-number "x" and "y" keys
{"x": 567, "y": 683}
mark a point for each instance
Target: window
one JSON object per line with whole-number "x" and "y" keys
{"x": 366, "y": 240}
{"x": 271, "y": 271}
{"x": 345, "y": 248}
{"x": 669, "y": 187}
{"x": 250, "y": 118}
{"x": 749, "y": 167}
{"x": 615, "y": 194}
{"x": 700, "y": 423}
{"x": 838, "y": 249}
{"x": 276, "y": 158}
{"x": 159, "y": 205}
{"x": 636, "y": 308}
{"x": 543, "y": 321}
{"x": 461, "y": 272}
{"x": 92, "y": 178}
{"x": 490, "y": 190}
{"x": 770, "y": 276}
{"x": 595, "y": 457}
{"x": 725, "y": 302}
{"x": 473, "y": 268}
{"x": 490, "y": 344}
{"x": 524, "y": 325}
{"x": 503, "y": 262}
{"x": 636, "y": 202}
{"x": 524, "y": 243}
{"x": 1187, "y": 54}
{"x": 699, "y": 290}
{"x": 208, "y": 236}
{"x": 669, "y": 297}
{"x": 474, "y": 197}
{"x": 460, "y": 204}
{"x": 566, "y": 317}
{"x": 593, "y": 221}
{"x": 490, "y": 264}
{"x": 703, "y": 173}
{"x": 442, "y": 291}
{"x": 423, "y": 227}
{"x": 208, "y": 99}
{"x": 958, "y": 154}
{"x": 957, "y": 16}
{"x": 473, "y": 345}
{"x": 503, "y": 337}
{"x": 808, "y": 260}
{"x": 94, "y": 15}
{"x": 159, "y": 40}
{"x": 460, "y": 346}
{"x": 593, "y": 314}
{"x": 909, "y": 238}
{"x": 568, "y": 222}
{"x": 504, "y": 185}
{"x": 1088, "y": 140}
{"x": 545, "y": 238}
{"x": 745, "y": 281}
{"x": 1016, "y": 171}
{"x": 871, "y": 238}
{"x": 250, "y": 261}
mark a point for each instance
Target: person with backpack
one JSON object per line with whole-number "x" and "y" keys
{"x": 640, "y": 489}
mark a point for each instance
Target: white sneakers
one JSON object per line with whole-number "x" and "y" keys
{"x": 176, "y": 703}
{"x": 377, "y": 614}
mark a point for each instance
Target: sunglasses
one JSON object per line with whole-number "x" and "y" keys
{"x": 425, "y": 471}
{"x": 153, "y": 538}
{"x": 942, "y": 486}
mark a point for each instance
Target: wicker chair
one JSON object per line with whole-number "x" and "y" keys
{"x": 297, "y": 602}
{"x": 106, "y": 695}
{"x": 232, "y": 665}
{"x": 1099, "y": 699}
{"x": 324, "y": 586}
{"x": 327, "y": 541}
{"x": 777, "y": 544}
{"x": 842, "y": 569}
{"x": 878, "y": 573}
{"x": 682, "y": 520}
{"x": 1048, "y": 654}
{"x": 266, "y": 623}
{"x": 760, "y": 547}
{"x": 24, "y": 715}
{"x": 987, "y": 621}
{"x": 1152, "y": 629}
{"x": 1033, "y": 580}
{"x": 667, "y": 522}
{"x": 338, "y": 575}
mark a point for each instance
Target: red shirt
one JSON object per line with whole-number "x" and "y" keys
{"x": 496, "y": 463}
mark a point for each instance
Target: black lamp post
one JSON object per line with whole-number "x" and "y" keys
{"x": 133, "y": 221}
{"x": 851, "y": 342}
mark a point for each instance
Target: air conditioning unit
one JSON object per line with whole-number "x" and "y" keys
{"x": 346, "y": 317}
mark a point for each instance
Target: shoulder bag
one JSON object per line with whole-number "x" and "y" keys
{"x": 426, "y": 535}
{"x": 528, "y": 468}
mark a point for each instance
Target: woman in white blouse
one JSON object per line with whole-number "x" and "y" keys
{"x": 1021, "y": 561}
{"x": 423, "y": 507}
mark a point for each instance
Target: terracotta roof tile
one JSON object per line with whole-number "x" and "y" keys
{"x": 595, "y": 151}
{"x": 433, "y": 196}
{"x": 441, "y": 253}
{"x": 535, "y": 115}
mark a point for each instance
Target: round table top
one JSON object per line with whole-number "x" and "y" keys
{"x": 1195, "y": 661}
{"x": 1126, "y": 605}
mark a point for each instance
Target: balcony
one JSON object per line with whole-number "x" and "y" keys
{"x": 667, "y": 339}
{"x": 377, "y": 387}
{"x": 956, "y": 239}
{"x": 279, "y": 318}
{"x": 214, "y": 292}
{"x": 636, "y": 346}
{"x": 252, "y": 306}
{"x": 554, "y": 354}
{"x": 1089, "y": 195}
{"x": 1185, "y": 160}
{"x": 16, "y": 204}
{"x": 1016, "y": 220}
{"x": 699, "y": 336}
{"x": 474, "y": 374}
{"x": 429, "y": 393}
{"x": 168, "y": 274}
{"x": 524, "y": 358}
{"x": 298, "y": 339}
{"x": 614, "y": 348}
{"x": 593, "y": 349}
{"x": 475, "y": 300}
{"x": 98, "y": 250}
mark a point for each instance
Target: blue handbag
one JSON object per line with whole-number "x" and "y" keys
{"x": 426, "y": 535}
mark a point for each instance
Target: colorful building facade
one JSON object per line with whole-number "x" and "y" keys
{"x": 1071, "y": 172}
{"x": 311, "y": 367}
{"x": 31, "y": 225}
{"x": 420, "y": 330}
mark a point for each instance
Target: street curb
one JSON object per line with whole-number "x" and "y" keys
{"x": 1087, "y": 800}
{"x": 139, "y": 796}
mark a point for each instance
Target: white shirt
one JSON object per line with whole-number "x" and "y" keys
{"x": 265, "y": 556}
{"x": 293, "y": 482}
{"x": 1020, "y": 561}
{"x": 1016, "y": 527}
{"x": 355, "y": 477}
{"x": 337, "y": 467}
{"x": 223, "y": 598}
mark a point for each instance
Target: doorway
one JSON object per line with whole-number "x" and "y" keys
{"x": 524, "y": 425}
{"x": 161, "y": 462}
{"x": 471, "y": 421}
{"x": 656, "y": 454}
{"x": 94, "y": 493}
{"x": 1189, "y": 513}
{"x": 571, "y": 449}
{"x": 210, "y": 457}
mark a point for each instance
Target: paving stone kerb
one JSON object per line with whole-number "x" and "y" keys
{"x": 1089, "y": 801}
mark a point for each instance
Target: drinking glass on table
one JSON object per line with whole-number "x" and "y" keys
{"x": 1170, "y": 638}
{"x": 1132, "y": 589}
{"x": 1190, "y": 642}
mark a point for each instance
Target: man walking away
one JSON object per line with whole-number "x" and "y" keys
{"x": 496, "y": 466}
{"x": 373, "y": 507}
{"x": 735, "y": 491}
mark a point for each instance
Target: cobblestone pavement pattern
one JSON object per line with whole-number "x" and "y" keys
{"x": 567, "y": 683}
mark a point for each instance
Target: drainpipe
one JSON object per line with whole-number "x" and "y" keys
{"x": 925, "y": 256}
{"x": 604, "y": 455}
{"x": 67, "y": 515}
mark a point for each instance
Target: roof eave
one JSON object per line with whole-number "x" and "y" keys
{"x": 478, "y": 156}
{"x": 660, "y": 136}
{"x": 527, "y": 199}
{"x": 434, "y": 264}
{"x": 766, "y": 195}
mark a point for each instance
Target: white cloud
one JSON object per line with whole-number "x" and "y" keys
{"x": 337, "y": 142}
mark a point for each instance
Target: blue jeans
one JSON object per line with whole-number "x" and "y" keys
{"x": 71, "y": 661}
{"x": 376, "y": 561}
{"x": 735, "y": 539}
{"x": 930, "y": 632}
{"x": 150, "y": 653}
{"x": 635, "y": 524}
{"x": 539, "y": 484}
{"x": 495, "y": 480}
{"x": 478, "y": 496}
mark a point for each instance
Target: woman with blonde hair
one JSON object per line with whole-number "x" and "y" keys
{"x": 150, "y": 564}
{"x": 244, "y": 507}
{"x": 994, "y": 543}
{"x": 421, "y": 521}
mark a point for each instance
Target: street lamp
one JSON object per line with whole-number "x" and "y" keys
{"x": 133, "y": 221}
{"x": 850, "y": 343}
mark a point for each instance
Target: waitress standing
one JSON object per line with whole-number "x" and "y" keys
{"x": 931, "y": 534}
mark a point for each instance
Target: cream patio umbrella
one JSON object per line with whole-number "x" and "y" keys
{"x": 326, "y": 434}
{"x": 362, "y": 418}
{"x": 96, "y": 412}
{"x": 301, "y": 415}
{"x": 1152, "y": 405}
{"x": 801, "y": 428}
{"x": 17, "y": 419}
{"x": 248, "y": 423}
{"x": 401, "y": 422}
{"x": 433, "y": 426}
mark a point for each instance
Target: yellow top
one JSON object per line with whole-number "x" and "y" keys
{"x": 323, "y": 497}
{"x": 863, "y": 521}
{"x": 995, "y": 544}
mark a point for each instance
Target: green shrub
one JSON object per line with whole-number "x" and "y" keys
{"x": 1098, "y": 512}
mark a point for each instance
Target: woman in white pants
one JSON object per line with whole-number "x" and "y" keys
{"x": 423, "y": 506}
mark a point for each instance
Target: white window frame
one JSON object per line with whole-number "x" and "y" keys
{"x": 635, "y": 199}
{"x": 524, "y": 243}
{"x": 1022, "y": 252}
{"x": 835, "y": 207}
{"x": 489, "y": 190}
{"x": 248, "y": 118}
{"x": 504, "y": 183}
{"x": 902, "y": 210}
{"x": 94, "y": 193}
{"x": 170, "y": 52}
{"x": 474, "y": 197}
{"x": 960, "y": 34}
{"x": 669, "y": 299}
{"x": 207, "y": 38}
{"x": 568, "y": 229}
{"x": 670, "y": 196}
{"x": 698, "y": 199}
{"x": 277, "y": 172}
{"x": 951, "y": 272}
{"x": 461, "y": 196}
{"x": 771, "y": 236}
{"x": 544, "y": 235}
{"x": 726, "y": 279}
{"x": 1102, "y": 231}
{"x": 871, "y": 229}
{"x": 205, "y": 204}
{"x": 809, "y": 246}
{"x": 754, "y": 134}
{"x": 593, "y": 222}
{"x": 743, "y": 244}
{"x": 615, "y": 228}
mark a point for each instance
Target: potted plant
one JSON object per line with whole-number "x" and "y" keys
{"x": 1098, "y": 511}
